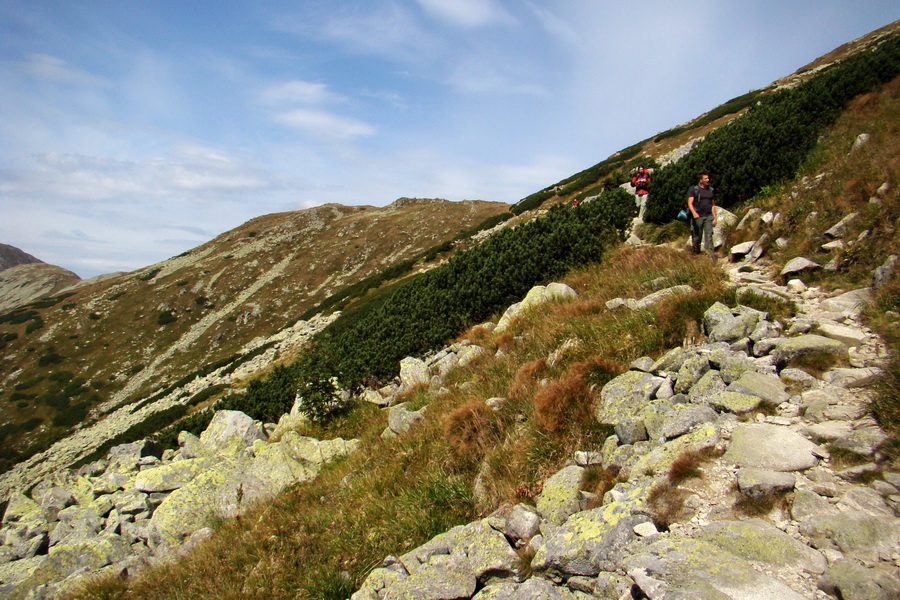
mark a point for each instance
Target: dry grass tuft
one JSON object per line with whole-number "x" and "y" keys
{"x": 688, "y": 464}
{"x": 526, "y": 378}
{"x": 472, "y": 429}
{"x": 760, "y": 506}
{"x": 666, "y": 504}
{"x": 565, "y": 403}
{"x": 598, "y": 480}
{"x": 505, "y": 341}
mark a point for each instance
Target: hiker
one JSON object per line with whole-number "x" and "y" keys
{"x": 641, "y": 182}
{"x": 701, "y": 205}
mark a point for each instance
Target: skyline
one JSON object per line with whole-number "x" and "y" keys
{"x": 131, "y": 133}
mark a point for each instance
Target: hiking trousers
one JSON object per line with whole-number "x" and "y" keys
{"x": 702, "y": 227}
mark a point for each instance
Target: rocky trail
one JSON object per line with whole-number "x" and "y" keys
{"x": 769, "y": 507}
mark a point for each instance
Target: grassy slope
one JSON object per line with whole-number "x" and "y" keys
{"x": 320, "y": 539}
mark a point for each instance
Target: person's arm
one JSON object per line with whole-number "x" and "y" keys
{"x": 714, "y": 212}
{"x": 691, "y": 206}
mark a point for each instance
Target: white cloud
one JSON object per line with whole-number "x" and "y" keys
{"x": 467, "y": 13}
{"x": 50, "y": 68}
{"x": 298, "y": 91}
{"x": 324, "y": 125}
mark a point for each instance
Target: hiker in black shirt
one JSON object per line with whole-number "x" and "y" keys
{"x": 702, "y": 207}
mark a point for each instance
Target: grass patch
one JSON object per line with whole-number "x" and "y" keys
{"x": 759, "y": 506}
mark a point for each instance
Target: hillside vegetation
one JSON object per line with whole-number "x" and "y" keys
{"x": 319, "y": 539}
{"x": 72, "y": 359}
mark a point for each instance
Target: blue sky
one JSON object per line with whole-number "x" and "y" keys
{"x": 131, "y": 131}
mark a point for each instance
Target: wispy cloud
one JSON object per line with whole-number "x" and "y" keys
{"x": 324, "y": 125}
{"x": 51, "y": 68}
{"x": 297, "y": 91}
{"x": 467, "y": 13}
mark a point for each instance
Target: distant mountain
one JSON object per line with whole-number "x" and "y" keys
{"x": 10, "y": 256}
{"x": 114, "y": 340}
{"x": 26, "y": 283}
{"x": 24, "y": 278}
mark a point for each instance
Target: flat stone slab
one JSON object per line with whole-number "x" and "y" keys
{"x": 842, "y": 333}
{"x": 688, "y": 568}
{"x": 768, "y": 387}
{"x": 759, "y": 541}
{"x": 791, "y": 348}
{"x": 762, "y": 482}
{"x": 849, "y": 303}
{"x": 770, "y": 447}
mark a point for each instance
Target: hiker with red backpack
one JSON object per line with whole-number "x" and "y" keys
{"x": 641, "y": 182}
{"x": 701, "y": 205}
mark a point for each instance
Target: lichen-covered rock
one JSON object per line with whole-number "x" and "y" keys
{"x": 849, "y": 579}
{"x": 761, "y": 542}
{"x": 688, "y": 568}
{"x": 691, "y": 371}
{"x": 561, "y": 495}
{"x": 442, "y": 577}
{"x": 790, "y": 348}
{"x": 770, "y": 447}
{"x": 625, "y": 396}
{"x": 762, "y": 482}
{"x": 768, "y": 387}
{"x": 807, "y": 504}
{"x": 588, "y": 542}
{"x": 710, "y": 383}
{"x": 231, "y": 431}
{"x": 532, "y": 589}
{"x": 859, "y": 535}
{"x": 413, "y": 372}
{"x": 659, "y": 459}
{"x": 863, "y": 440}
{"x": 401, "y": 420}
{"x": 735, "y": 402}
{"x": 191, "y": 506}
{"x": 171, "y": 476}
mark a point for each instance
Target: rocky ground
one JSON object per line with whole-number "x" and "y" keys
{"x": 770, "y": 507}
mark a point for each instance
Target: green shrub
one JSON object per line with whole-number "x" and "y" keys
{"x": 34, "y": 325}
{"x": 166, "y": 317}
{"x": 768, "y": 143}
{"x": 51, "y": 358}
{"x": 149, "y": 274}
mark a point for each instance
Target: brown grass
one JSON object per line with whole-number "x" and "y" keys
{"x": 759, "y": 506}
{"x": 598, "y": 480}
{"x": 567, "y": 400}
{"x": 472, "y": 429}
{"x": 666, "y": 505}
{"x": 526, "y": 378}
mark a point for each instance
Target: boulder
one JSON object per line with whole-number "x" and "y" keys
{"x": 760, "y": 542}
{"x": 849, "y": 303}
{"x": 763, "y": 482}
{"x": 768, "y": 387}
{"x": 791, "y": 348}
{"x": 770, "y": 447}
{"x": 171, "y": 476}
{"x": 231, "y": 431}
{"x": 561, "y": 495}
{"x": 798, "y": 265}
{"x": 587, "y": 543}
{"x": 413, "y": 372}
{"x": 859, "y": 535}
{"x": 850, "y": 579}
{"x": 689, "y": 568}
{"x": 625, "y": 396}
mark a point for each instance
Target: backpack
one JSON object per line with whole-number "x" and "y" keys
{"x": 685, "y": 213}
